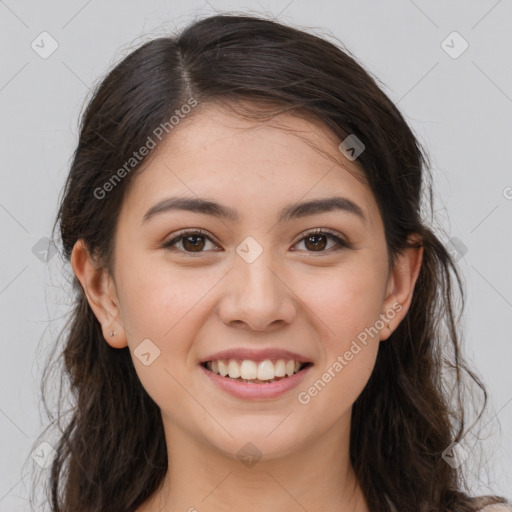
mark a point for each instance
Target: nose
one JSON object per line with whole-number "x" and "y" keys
{"x": 256, "y": 296}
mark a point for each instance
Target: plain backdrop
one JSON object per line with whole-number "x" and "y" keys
{"x": 455, "y": 90}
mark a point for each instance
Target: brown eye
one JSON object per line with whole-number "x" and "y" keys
{"x": 194, "y": 242}
{"x": 316, "y": 241}
{"x": 191, "y": 242}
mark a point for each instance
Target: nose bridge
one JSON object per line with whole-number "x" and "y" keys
{"x": 256, "y": 295}
{"x": 252, "y": 267}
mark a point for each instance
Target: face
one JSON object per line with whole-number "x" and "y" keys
{"x": 314, "y": 283}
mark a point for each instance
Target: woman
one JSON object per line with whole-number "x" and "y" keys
{"x": 262, "y": 313}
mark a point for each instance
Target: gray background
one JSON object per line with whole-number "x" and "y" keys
{"x": 460, "y": 108}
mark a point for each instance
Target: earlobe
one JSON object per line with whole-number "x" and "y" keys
{"x": 400, "y": 288}
{"x": 98, "y": 287}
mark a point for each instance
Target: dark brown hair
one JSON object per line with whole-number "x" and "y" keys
{"x": 112, "y": 449}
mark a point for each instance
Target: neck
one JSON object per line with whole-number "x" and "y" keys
{"x": 315, "y": 476}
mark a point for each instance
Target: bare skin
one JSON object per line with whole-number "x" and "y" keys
{"x": 312, "y": 302}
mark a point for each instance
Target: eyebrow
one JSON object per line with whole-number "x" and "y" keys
{"x": 289, "y": 212}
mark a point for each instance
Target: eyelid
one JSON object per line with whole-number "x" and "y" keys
{"x": 186, "y": 231}
{"x": 318, "y": 231}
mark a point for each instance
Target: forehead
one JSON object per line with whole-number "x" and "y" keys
{"x": 217, "y": 154}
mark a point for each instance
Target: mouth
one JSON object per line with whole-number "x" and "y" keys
{"x": 256, "y": 372}
{"x": 269, "y": 379}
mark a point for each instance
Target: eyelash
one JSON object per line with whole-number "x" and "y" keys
{"x": 341, "y": 244}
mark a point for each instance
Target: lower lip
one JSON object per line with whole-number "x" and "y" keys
{"x": 252, "y": 390}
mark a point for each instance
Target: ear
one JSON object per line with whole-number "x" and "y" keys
{"x": 100, "y": 291}
{"x": 400, "y": 288}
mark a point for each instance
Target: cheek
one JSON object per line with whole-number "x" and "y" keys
{"x": 167, "y": 307}
{"x": 157, "y": 300}
{"x": 347, "y": 300}
{"x": 348, "y": 306}
{"x": 159, "y": 305}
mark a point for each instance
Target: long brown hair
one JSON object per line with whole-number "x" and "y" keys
{"x": 404, "y": 419}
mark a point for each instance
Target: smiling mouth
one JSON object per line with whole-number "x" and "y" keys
{"x": 252, "y": 372}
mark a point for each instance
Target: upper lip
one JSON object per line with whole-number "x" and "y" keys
{"x": 255, "y": 355}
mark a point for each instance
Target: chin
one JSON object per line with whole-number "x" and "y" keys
{"x": 259, "y": 444}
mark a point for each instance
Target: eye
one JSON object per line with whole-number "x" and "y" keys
{"x": 316, "y": 240}
{"x": 192, "y": 241}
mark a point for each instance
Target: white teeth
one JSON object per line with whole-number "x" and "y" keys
{"x": 223, "y": 368}
{"x": 266, "y": 370}
{"x": 247, "y": 370}
{"x": 290, "y": 367}
{"x": 280, "y": 368}
{"x": 233, "y": 369}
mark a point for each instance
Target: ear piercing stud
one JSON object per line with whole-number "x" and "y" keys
{"x": 112, "y": 333}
